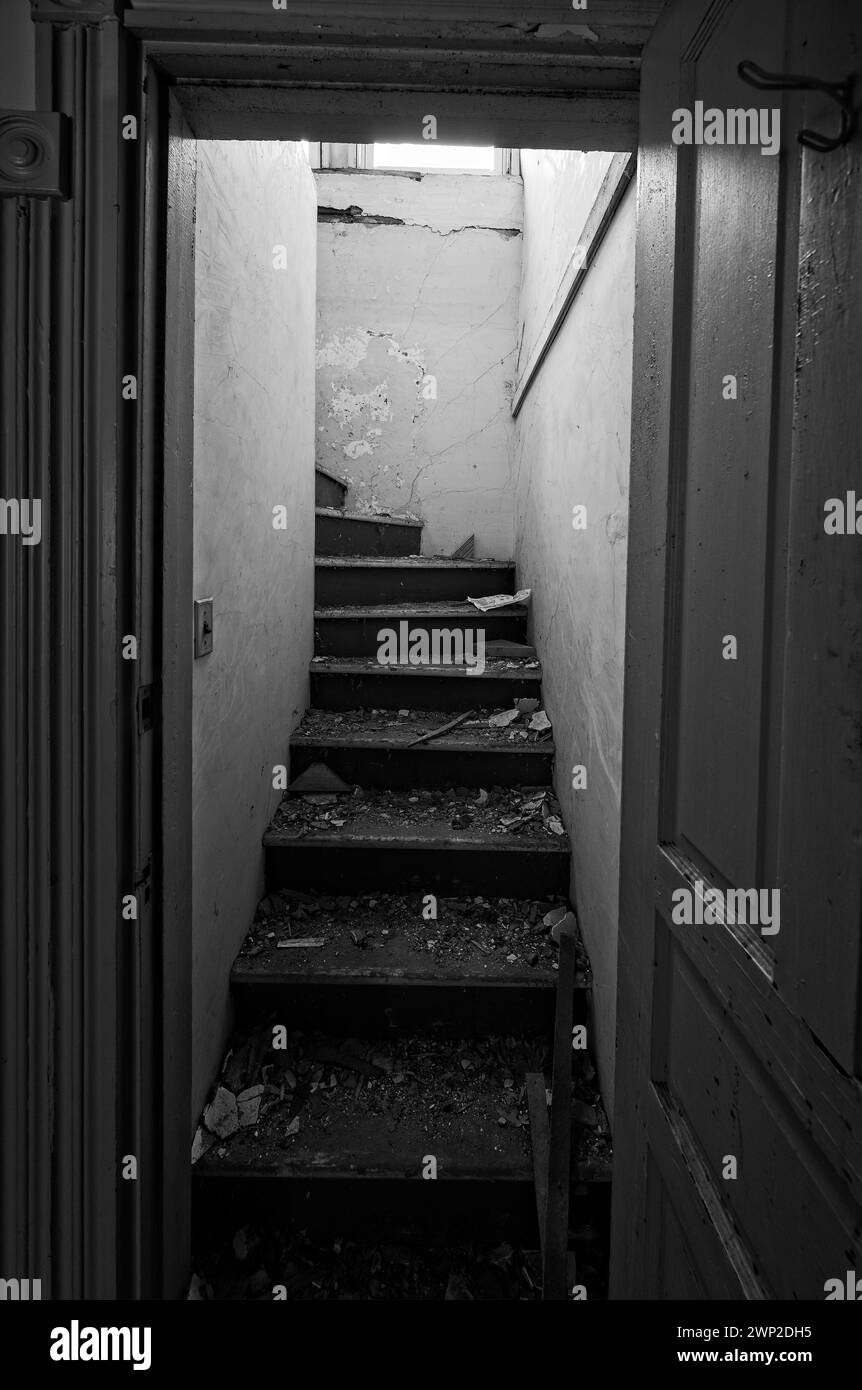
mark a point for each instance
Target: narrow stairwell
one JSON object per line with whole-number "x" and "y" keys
{"x": 370, "y": 1135}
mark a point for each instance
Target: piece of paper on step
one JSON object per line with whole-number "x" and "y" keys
{"x": 499, "y": 600}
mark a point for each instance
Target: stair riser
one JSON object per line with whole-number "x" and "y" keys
{"x": 328, "y": 492}
{"x": 408, "y": 585}
{"x": 335, "y": 535}
{"x": 379, "y": 1009}
{"x": 339, "y": 867}
{"x": 361, "y": 636}
{"x": 334, "y": 690}
{"x": 386, "y": 1210}
{"x": 427, "y": 766}
{"x": 448, "y": 1211}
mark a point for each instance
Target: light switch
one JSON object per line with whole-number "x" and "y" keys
{"x": 203, "y": 626}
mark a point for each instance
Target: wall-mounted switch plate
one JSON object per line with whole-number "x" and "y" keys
{"x": 203, "y": 626}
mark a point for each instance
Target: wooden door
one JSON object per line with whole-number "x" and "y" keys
{"x": 742, "y": 770}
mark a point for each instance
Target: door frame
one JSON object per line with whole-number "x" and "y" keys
{"x": 99, "y": 266}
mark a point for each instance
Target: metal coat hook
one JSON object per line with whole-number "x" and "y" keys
{"x": 842, "y": 92}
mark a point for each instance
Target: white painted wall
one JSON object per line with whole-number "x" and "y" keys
{"x": 573, "y": 448}
{"x": 434, "y": 293}
{"x": 253, "y": 450}
{"x": 560, "y": 187}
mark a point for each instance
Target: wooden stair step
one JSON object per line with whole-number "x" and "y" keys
{"x": 440, "y": 1107}
{"x": 414, "y": 578}
{"x": 346, "y": 683}
{"x": 389, "y": 840}
{"x": 339, "y": 532}
{"x": 377, "y": 963}
{"x": 363, "y": 629}
{"x": 330, "y": 491}
{"x": 372, "y": 748}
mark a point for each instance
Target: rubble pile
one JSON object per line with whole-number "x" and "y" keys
{"x": 496, "y": 931}
{"x": 532, "y": 812}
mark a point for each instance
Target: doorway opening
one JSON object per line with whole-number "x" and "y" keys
{"x": 396, "y": 415}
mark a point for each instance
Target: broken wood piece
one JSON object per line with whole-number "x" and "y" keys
{"x": 301, "y": 941}
{"x": 555, "y": 1243}
{"x": 444, "y": 729}
{"x": 466, "y": 550}
{"x": 537, "y": 1103}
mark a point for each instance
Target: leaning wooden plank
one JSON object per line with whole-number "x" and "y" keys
{"x": 537, "y": 1101}
{"x": 555, "y": 1244}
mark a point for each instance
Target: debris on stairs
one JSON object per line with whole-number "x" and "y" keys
{"x": 380, "y": 1127}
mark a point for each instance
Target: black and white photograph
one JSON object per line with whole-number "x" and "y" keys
{"x": 430, "y": 672}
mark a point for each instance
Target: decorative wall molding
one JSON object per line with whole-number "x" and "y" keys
{"x": 34, "y": 154}
{"x": 65, "y": 844}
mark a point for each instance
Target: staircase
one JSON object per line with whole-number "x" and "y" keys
{"x": 390, "y": 1111}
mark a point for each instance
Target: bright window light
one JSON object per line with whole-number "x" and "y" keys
{"x": 471, "y": 159}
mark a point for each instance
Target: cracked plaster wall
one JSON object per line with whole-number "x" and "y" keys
{"x": 419, "y": 277}
{"x": 573, "y": 448}
{"x": 253, "y": 450}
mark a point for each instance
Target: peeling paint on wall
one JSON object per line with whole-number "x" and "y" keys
{"x": 417, "y": 336}
{"x": 343, "y": 351}
{"x": 347, "y": 406}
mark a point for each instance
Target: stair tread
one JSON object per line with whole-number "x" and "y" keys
{"x": 379, "y": 833}
{"x": 348, "y": 1128}
{"x": 393, "y": 819}
{"x": 385, "y": 936}
{"x": 499, "y": 668}
{"x": 342, "y": 514}
{"x": 394, "y": 1102}
{"x": 371, "y": 729}
{"x": 445, "y": 609}
{"x": 431, "y": 562}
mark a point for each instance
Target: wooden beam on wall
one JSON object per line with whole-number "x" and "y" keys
{"x": 593, "y": 121}
{"x": 608, "y": 199}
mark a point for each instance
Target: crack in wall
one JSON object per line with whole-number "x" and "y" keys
{"x": 356, "y": 217}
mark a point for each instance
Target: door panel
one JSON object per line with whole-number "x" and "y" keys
{"x": 725, "y": 474}
{"x": 746, "y": 773}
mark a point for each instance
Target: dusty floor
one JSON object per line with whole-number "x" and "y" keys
{"x": 402, "y": 726}
{"x": 304, "y": 1104}
{"x": 387, "y": 932}
{"x": 294, "y": 1266}
{"x": 532, "y": 813}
